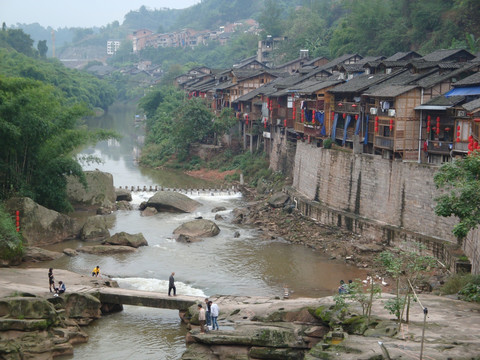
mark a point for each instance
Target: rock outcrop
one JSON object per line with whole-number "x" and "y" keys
{"x": 197, "y": 229}
{"x": 41, "y": 226}
{"x": 95, "y": 229}
{"x": 36, "y": 254}
{"x": 106, "y": 249}
{"x": 99, "y": 192}
{"x": 125, "y": 239}
{"x": 172, "y": 201}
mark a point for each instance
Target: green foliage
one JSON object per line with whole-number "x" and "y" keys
{"x": 455, "y": 282}
{"x": 10, "y": 240}
{"x": 38, "y": 131}
{"x": 470, "y": 292}
{"x": 75, "y": 85}
{"x": 327, "y": 143}
{"x": 461, "y": 181}
{"x": 394, "y": 306}
{"x": 19, "y": 41}
{"x": 42, "y": 48}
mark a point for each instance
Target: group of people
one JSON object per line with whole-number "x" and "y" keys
{"x": 208, "y": 316}
{"x": 51, "y": 281}
{"x": 61, "y": 285}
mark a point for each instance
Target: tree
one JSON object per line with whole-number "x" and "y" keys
{"x": 270, "y": 19}
{"x": 42, "y": 48}
{"x": 461, "y": 181}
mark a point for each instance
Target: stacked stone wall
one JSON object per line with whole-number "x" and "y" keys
{"x": 385, "y": 201}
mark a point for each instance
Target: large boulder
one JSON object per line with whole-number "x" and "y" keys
{"x": 278, "y": 200}
{"x": 123, "y": 195}
{"x": 172, "y": 201}
{"x": 100, "y": 191}
{"x": 197, "y": 229}
{"x": 125, "y": 239}
{"x": 39, "y": 225}
{"x": 95, "y": 229}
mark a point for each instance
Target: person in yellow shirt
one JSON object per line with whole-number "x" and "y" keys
{"x": 96, "y": 271}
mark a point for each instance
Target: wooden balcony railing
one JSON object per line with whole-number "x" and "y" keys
{"x": 439, "y": 147}
{"x": 312, "y": 130}
{"x": 347, "y": 107}
{"x": 384, "y": 142}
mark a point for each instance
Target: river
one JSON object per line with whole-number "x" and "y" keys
{"x": 225, "y": 264}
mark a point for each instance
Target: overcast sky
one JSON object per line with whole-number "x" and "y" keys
{"x": 77, "y": 13}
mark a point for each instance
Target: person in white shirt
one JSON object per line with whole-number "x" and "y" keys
{"x": 214, "y": 314}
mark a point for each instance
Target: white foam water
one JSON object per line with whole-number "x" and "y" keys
{"x": 156, "y": 285}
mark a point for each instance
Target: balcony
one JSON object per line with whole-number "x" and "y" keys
{"x": 312, "y": 130}
{"x": 347, "y": 107}
{"x": 439, "y": 147}
{"x": 384, "y": 142}
{"x": 341, "y": 131}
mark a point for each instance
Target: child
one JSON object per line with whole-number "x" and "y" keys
{"x": 96, "y": 271}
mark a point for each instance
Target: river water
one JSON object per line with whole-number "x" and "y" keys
{"x": 225, "y": 264}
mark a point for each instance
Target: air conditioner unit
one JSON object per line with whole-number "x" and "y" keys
{"x": 373, "y": 111}
{"x": 391, "y": 112}
{"x": 461, "y": 113}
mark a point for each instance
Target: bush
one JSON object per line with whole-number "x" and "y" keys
{"x": 10, "y": 240}
{"x": 457, "y": 282}
{"x": 327, "y": 143}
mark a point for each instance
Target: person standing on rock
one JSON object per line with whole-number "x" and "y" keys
{"x": 208, "y": 313}
{"x": 201, "y": 318}
{"x": 51, "y": 280}
{"x": 214, "y": 313}
{"x": 171, "y": 285}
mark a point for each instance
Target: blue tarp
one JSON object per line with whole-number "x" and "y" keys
{"x": 334, "y": 127}
{"x": 320, "y": 117}
{"x": 357, "y": 126}
{"x": 365, "y": 141}
{"x": 471, "y": 90}
{"x": 347, "y": 122}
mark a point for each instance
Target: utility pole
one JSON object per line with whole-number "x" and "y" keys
{"x": 53, "y": 43}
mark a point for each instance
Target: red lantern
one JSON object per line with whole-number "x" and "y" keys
{"x": 391, "y": 124}
{"x": 246, "y": 118}
{"x": 429, "y": 118}
{"x": 354, "y": 105}
{"x": 458, "y": 139}
{"x": 356, "y": 117}
{"x": 340, "y": 104}
{"x": 333, "y": 114}
{"x": 447, "y": 129}
{"x": 477, "y": 120}
{"x": 302, "y": 118}
{"x": 458, "y": 127}
{"x": 475, "y": 145}
{"x": 313, "y": 116}
{"x": 294, "y": 112}
{"x": 285, "y": 123}
{"x": 265, "y": 123}
{"x": 344, "y": 115}
{"x": 470, "y": 138}
{"x": 438, "y": 125}
{"x": 376, "y": 124}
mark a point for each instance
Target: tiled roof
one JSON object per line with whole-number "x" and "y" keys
{"x": 359, "y": 83}
{"x": 472, "y": 106}
{"x": 399, "y": 56}
{"x": 390, "y": 91}
{"x": 444, "y": 101}
{"x": 338, "y": 60}
{"x": 442, "y": 54}
{"x": 469, "y": 80}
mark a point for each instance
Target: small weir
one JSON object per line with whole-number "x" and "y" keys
{"x": 204, "y": 191}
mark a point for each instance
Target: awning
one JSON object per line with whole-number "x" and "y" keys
{"x": 432, "y": 107}
{"x": 471, "y": 90}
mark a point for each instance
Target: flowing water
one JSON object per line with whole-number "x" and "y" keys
{"x": 225, "y": 264}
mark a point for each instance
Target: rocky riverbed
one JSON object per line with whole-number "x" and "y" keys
{"x": 36, "y": 325}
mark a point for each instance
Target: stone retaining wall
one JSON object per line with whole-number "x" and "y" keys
{"x": 383, "y": 200}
